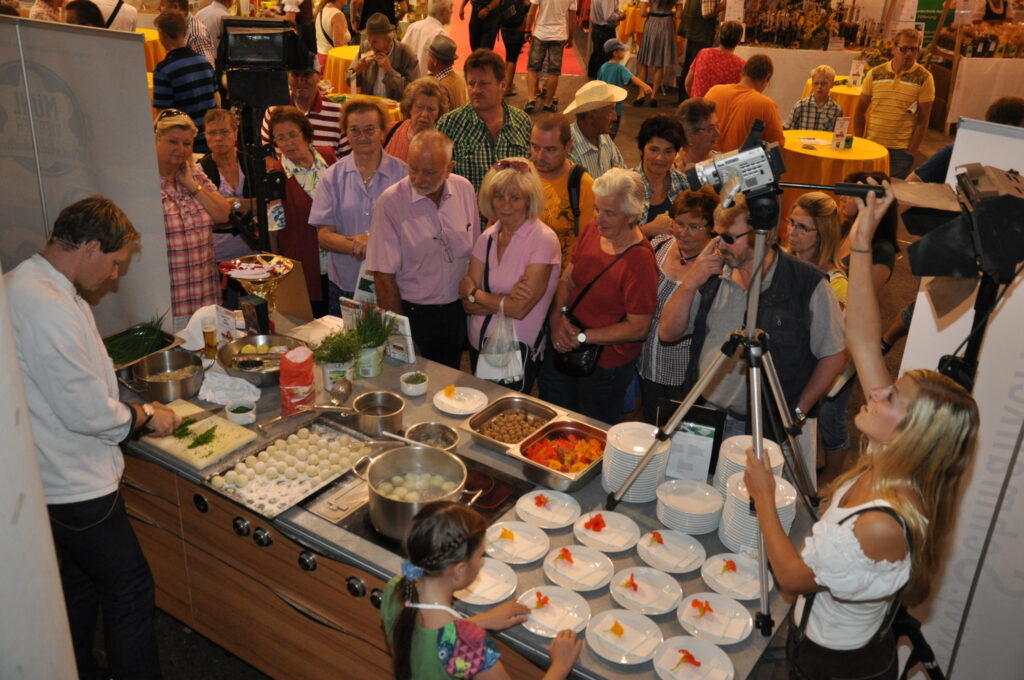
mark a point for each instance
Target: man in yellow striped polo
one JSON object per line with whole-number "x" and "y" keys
{"x": 896, "y": 102}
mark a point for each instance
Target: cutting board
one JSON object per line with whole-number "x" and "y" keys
{"x": 228, "y": 438}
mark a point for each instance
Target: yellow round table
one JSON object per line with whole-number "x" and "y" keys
{"x": 844, "y": 95}
{"x": 152, "y": 48}
{"x": 821, "y": 165}
{"x": 390, "y": 106}
{"x": 339, "y": 59}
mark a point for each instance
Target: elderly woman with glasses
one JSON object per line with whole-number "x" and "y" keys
{"x": 422, "y": 104}
{"x": 192, "y": 205}
{"x": 515, "y": 263}
{"x": 226, "y": 166}
{"x": 700, "y": 131}
{"x": 659, "y": 140}
{"x": 344, "y": 200}
{"x": 304, "y": 166}
{"x": 606, "y": 297}
{"x": 662, "y": 366}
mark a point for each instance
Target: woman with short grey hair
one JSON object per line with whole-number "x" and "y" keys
{"x": 423, "y": 102}
{"x": 604, "y": 304}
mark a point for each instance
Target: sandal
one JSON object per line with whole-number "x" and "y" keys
{"x": 531, "y": 106}
{"x": 550, "y": 108}
{"x": 639, "y": 101}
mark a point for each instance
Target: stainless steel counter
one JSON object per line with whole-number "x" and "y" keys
{"x": 331, "y": 541}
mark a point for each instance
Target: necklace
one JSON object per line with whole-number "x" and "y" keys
{"x": 683, "y": 259}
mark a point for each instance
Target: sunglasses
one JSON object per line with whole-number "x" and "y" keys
{"x": 730, "y": 239}
{"x": 172, "y": 113}
{"x": 518, "y": 166}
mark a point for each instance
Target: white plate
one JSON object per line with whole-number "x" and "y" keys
{"x": 631, "y": 438}
{"x": 590, "y": 569}
{"x": 656, "y": 591}
{"x": 529, "y": 544}
{"x": 567, "y": 610}
{"x": 678, "y": 554}
{"x": 466, "y": 401}
{"x": 712, "y": 660}
{"x": 689, "y": 497}
{"x": 561, "y": 511}
{"x": 785, "y": 494}
{"x": 727, "y": 624}
{"x": 620, "y": 533}
{"x": 495, "y": 583}
{"x": 742, "y": 585}
{"x": 642, "y": 637}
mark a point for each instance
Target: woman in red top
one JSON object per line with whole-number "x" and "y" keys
{"x": 717, "y": 65}
{"x": 303, "y": 164}
{"x": 615, "y": 312}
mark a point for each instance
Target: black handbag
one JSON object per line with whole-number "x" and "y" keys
{"x": 581, "y": 361}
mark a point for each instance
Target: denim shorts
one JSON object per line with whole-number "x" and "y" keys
{"x": 553, "y": 49}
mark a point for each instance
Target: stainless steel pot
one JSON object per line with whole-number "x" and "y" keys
{"x": 164, "y": 391}
{"x": 433, "y": 434}
{"x": 375, "y": 413}
{"x": 393, "y": 517}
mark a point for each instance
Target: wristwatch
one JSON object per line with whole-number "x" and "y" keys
{"x": 472, "y": 296}
{"x": 236, "y": 205}
{"x": 800, "y": 416}
{"x": 582, "y": 337}
{"x": 564, "y": 310}
{"x": 150, "y": 412}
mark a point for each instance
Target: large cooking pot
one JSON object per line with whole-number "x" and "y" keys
{"x": 149, "y": 376}
{"x": 393, "y": 517}
{"x": 375, "y": 413}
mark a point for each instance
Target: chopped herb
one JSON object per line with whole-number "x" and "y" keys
{"x": 241, "y": 409}
{"x": 182, "y": 431}
{"x": 204, "y": 438}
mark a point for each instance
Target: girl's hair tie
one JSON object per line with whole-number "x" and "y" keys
{"x": 411, "y": 571}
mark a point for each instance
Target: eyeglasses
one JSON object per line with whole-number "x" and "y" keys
{"x": 908, "y": 49}
{"x": 696, "y": 227}
{"x": 368, "y": 131}
{"x": 797, "y": 226}
{"x": 507, "y": 164}
{"x": 286, "y": 137}
{"x": 171, "y": 113}
{"x": 730, "y": 239}
{"x": 442, "y": 238}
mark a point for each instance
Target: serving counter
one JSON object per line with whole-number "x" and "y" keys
{"x": 298, "y": 596}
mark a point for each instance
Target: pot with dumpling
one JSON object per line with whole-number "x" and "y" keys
{"x": 401, "y": 481}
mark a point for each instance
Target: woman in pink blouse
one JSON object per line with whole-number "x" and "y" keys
{"x": 717, "y": 65}
{"x": 515, "y": 263}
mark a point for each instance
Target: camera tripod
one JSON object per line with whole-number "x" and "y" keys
{"x": 764, "y": 211}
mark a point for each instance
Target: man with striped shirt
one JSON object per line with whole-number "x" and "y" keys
{"x": 184, "y": 80}
{"x": 896, "y": 103}
{"x": 323, "y": 114}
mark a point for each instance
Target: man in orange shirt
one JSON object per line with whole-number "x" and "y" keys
{"x": 738, "y": 105}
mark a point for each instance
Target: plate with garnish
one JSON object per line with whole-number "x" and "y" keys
{"x": 733, "y": 575}
{"x": 495, "y": 582}
{"x": 671, "y": 551}
{"x": 516, "y": 542}
{"x": 553, "y": 609}
{"x": 578, "y": 567}
{"x": 646, "y": 590}
{"x": 606, "y": 531}
{"x": 715, "y": 618}
{"x": 686, "y": 658}
{"x": 623, "y": 636}
{"x": 548, "y": 509}
{"x": 459, "y": 401}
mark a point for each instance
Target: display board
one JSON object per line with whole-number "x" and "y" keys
{"x": 75, "y": 120}
{"x": 977, "y": 141}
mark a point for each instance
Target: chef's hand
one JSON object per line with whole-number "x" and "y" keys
{"x": 163, "y": 422}
{"x": 563, "y": 333}
{"x": 760, "y": 480}
{"x": 503, "y": 616}
{"x": 564, "y": 650}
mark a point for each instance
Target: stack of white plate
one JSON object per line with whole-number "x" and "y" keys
{"x": 732, "y": 458}
{"x": 624, "y": 448}
{"x": 689, "y": 506}
{"x": 738, "y": 528}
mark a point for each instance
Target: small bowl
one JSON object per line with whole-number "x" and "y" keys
{"x": 414, "y": 389}
{"x": 244, "y": 418}
{"x": 438, "y": 435}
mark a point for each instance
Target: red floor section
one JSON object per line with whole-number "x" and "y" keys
{"x": 459, "y": 32}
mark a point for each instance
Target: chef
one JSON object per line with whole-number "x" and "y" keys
{"x": 77, "y": 423}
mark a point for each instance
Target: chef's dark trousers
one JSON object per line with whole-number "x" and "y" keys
{"x": 102, "y": 567}
{"x": 439, "y": 331}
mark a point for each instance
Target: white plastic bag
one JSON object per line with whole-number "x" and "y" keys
{"x": 499, "y": 353}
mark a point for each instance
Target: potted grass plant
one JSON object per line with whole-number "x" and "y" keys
{"x": 336, "y": 354}
{"x": 373, "y": 328}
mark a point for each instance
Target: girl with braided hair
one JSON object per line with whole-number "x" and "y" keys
{"x": 445, "y": 546}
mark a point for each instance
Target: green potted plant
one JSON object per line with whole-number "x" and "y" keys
{"x": 336, "y": 355}
{"x": 374, "y": 328}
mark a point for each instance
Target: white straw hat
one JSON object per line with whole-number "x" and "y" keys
{"x": 594, "y": 95}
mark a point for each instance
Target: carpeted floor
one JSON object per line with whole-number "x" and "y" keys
{"x": 459, "y": 32}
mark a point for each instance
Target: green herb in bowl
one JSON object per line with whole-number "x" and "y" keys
{"x": 417, "y": 378}
{"x": 241, "y": 408}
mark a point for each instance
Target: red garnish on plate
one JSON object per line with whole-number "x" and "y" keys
{"x": 656, "y": 538}
{"x": 631, "y": 583}
{"x": 703, "y": 607}
{"x": 595, "y": 523}
{"x": 728, "y": 565}
{"x": 541, "y": 501}
{"x": 686, "y": 657}
{"x": 565, "y": 554}
{"x": 542, "y": 600}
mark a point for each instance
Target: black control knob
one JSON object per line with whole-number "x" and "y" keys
{"x": 240, "y": 525}
{"x": 262, "y": 537}
{"x": 356, "y": 587}
{"x": 376, "y": 597}
{"x": 199, "y": 500}
{"x": 307, "y": 560}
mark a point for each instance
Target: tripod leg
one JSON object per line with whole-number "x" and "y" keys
{"x": 800, "y": 474}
